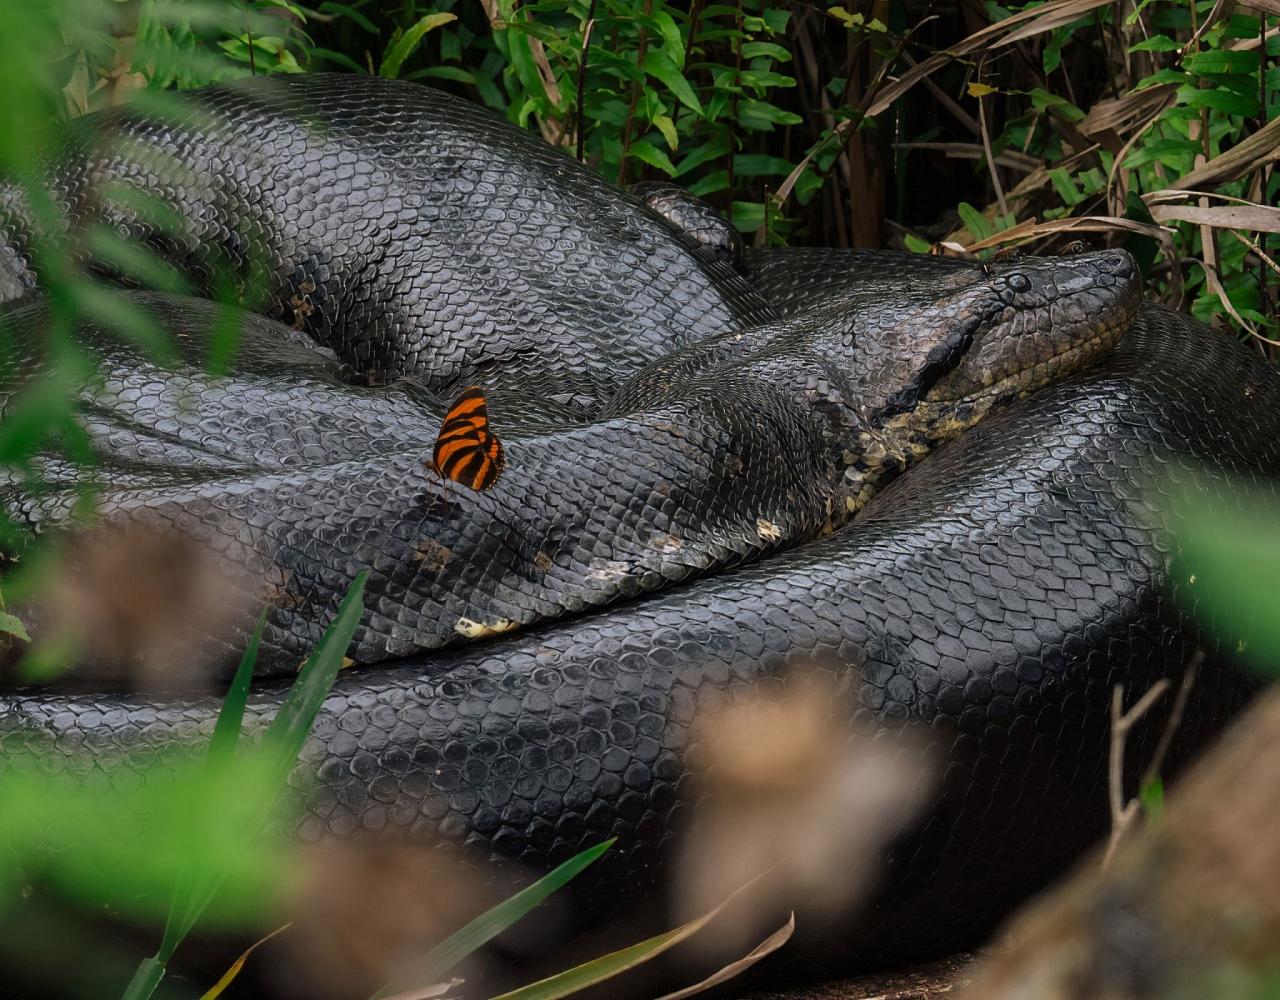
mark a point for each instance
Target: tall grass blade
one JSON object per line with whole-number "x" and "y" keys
{"x": 444, "y": 956}
{"x": 228, "y": 977}
{"x": 281, "y": 744}
{"x": 289, "y": 729}
{"x": 606, "y": 967}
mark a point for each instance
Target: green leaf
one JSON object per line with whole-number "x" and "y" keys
{"x": 754, "y": 50}
{"x": 12, "y": 625}
{"x": 646, "y": 152}
{"x": 1064, "y": 185}
{"x": 342, "y": 10}
{"x": 717, "y": 180}
{"x": 126, "y": 319}
{"x": 1219, "y": 99}
{"x": 401, "y": 48}
{"x": 667, "y": 127}
{"x": 748, "y": 216}
{"x": 1213, "y": 62}
{"x": 762, "y": 116}
{"x": 1156, "y": 43}
{"x": 453, "y": 949}
{"x": 703, "y": 153}
{"x": 1043, "y": 100}
{"x": 455, "y": 73}
{"x": 672, "y": 40}
{"x": 659, "y": 66}
{"x": 760, "y": 165}
{"x": 1165, "y": 76}
{"x": 974, "y": 221}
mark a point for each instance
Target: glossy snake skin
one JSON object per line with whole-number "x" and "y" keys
{"x": 991, "y": 596}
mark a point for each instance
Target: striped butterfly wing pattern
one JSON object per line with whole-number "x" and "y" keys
{"x": 466, "y": 450}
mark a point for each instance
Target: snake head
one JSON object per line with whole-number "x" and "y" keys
{"x": 998, "y": 332}
{"x": 934, "y": 368}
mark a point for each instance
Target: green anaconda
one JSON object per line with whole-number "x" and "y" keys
{"x": 670, "y": 410}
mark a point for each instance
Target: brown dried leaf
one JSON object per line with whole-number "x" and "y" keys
{"x": 765, "y": 948}
{"x": 1030, "y": 229}
{"x": 1123, "y": 113}
{"x": 1253, "y": 218}
{"x": 1259, "y": 149}
{"x": 987, "y": 38}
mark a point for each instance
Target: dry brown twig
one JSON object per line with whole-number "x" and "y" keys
{"x": 1126, "y": 811}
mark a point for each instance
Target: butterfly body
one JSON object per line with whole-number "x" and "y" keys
{"x": 467, "y": 451}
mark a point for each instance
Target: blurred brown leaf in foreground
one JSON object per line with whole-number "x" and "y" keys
{"x": 1191, "y": 908}
{"x": 141, "y": 602}
{"x": 791, "y": 790}
{"x": 366, "y": 911}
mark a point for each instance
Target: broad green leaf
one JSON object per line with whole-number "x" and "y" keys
{"x": 760, "y": 165}
{"x": 1156, "y": 43}
{"x": 123, "y": 317}
{"x": 672, "y": 40}
{"x": 1165, "y": 76}
{"x": 754, "y": 50}
{"x": 667, "y": 127}
{"x": 350, "y": 13}
{"x": 1219, "y": 99}
{"x": 12, "y": 625}
{"x": 446, "y": 955}
{"x": 974, "y": 221}
{"x": 704, "y": 153}
{"x": 717, "y": 180}
{"x": 748, "y": 216}
{"x": 400, "y": 49}
{"x": 659, "y": 66}
{"x": 761, "y": 116}
{"x": 646, "y": 152}
{"x": 1215, "y": 61}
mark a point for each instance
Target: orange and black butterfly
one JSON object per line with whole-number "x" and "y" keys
{"x": 466, "y": 450}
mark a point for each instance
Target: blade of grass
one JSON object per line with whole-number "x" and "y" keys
{"x": 289, "y": 729}
{"x": 605, "y": 967}
{"x": 765, "y": 948}
{"x": 279, "y": 750}
{"x": 444, "y": 956}
{"x": 228, "y": 977}
{"x": 284, "y": 737}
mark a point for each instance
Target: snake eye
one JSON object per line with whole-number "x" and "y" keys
{"x": 1019, "y": 282}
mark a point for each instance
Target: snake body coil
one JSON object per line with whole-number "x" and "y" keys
{"x": 993, "y": 593}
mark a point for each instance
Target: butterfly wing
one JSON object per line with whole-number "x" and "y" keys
{"x": 466, "y": 450}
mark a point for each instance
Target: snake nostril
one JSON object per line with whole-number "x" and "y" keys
{"x": 1119, "y": 263}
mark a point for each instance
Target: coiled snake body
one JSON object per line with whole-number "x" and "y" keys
{"x": 724, "y": 406}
